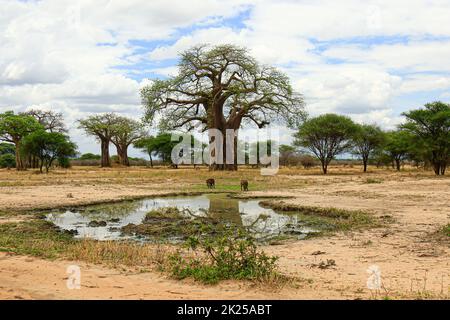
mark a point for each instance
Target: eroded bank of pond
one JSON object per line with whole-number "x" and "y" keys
{"x": 109, "y": 222}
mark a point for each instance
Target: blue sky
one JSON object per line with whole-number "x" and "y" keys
{"x": 370, "y": 60}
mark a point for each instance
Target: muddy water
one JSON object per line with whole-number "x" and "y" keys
{"x": 262, "y": 222}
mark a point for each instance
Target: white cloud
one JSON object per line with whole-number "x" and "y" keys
{"x": 354, "y": 57}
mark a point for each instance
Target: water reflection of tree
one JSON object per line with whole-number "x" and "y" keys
{"x": 110, "y": 211}
{"x": 225, "y": 210}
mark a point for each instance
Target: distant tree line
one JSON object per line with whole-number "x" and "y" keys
{"x": 424, "y": 138}
{"x": 38, "y": 139}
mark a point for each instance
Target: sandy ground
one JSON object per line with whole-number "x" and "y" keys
{"x": 414, "y": 262}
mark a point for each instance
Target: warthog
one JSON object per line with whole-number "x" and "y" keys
{"x": 244, "y": 185}
{"x": 211, "y": 183}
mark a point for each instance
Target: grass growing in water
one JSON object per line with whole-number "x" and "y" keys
{"x": 326, "y": 219}
{"x": 233, "y": 255}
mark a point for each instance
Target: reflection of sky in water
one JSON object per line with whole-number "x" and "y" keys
{"x": 261, "y": 221}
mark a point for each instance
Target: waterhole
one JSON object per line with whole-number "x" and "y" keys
{"x": 105, "y": 222}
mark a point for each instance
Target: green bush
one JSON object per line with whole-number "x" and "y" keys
{"x": 7, "y": 161}
{"x": 446, "y": 230}
{"x": 231, "y": 256}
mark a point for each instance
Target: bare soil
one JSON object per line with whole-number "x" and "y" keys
{"x": 413, "y": 258}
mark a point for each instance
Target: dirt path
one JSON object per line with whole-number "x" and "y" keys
{"x": 413, "y": 261}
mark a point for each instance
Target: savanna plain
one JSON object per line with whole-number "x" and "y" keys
{"x": 404, "y": 233}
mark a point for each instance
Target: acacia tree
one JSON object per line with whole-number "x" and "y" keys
{"x": 368, "y": 138}
{"x": 399, "y": 144}
{"x": 146, "y": 144}
{"x": 222, "y": 88}
{"x": 431, "y": 127}
{"x": 101, "y": 126}
{"x": 48, "y": 147}
{"x": 51, "y": 121}
{"x": 326, "y": 136}
{"x": 13, "y": 128}
{"x": 126, "y": 131}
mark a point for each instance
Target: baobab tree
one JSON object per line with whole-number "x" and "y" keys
{"x": 51, "y": 121}
{"x": 126, "y": 131}
{"x": 101, "y": 126}
{"x": 222, "y": 88}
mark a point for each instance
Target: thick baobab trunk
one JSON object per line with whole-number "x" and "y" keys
{"x": 224, "y": 151}
{"x": 122, "y": 153}
{"x": 106, "y": 161}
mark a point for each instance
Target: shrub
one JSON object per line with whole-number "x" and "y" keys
{"x": 230, "y": 256}
{"x": 446, "y": 230}
{"x": 307, "y": 161}
{"x": 7, "y": 161}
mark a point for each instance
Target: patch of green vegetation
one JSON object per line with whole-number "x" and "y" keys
{"x": 176, "y": 224}
{"x": 170, "y": 213}
{"x": 326, "y": 220}
{"x": 446, "y": 230}
{"x": 36, "y": 237}
{"x": 232, "y": 256}
{"x": 372, "y": 181}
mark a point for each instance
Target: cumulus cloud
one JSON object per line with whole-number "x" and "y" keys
{"x": 354, "y": 57}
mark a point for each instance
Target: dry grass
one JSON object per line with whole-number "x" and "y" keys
{"x": 42, "y": 239}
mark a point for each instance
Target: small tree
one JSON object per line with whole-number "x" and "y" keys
{"x": 287, "y": 154}
{"x": 102, "y": 127}
{"x": 126, "y": 132}
{"x": 13, "y": 128}
{"x": 326, "y": 136}
{"x": 366, "y": 140}
{"x": 48, "y": 147}
{"x": 7, "y": 161}
{"x": 307, "y": 161}
{"x": 431, "y": 127}
{"x": 7, "y": 155}
{"x": 398, "y": 146}
{"x": 147, "y": 145}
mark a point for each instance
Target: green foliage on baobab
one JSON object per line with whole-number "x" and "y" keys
{"x": 126, "y": 131}
{"x": 222, "y": 88}
{"x": 101, "y": 126}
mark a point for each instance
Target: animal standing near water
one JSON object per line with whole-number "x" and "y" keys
{"x": 244, "y": 185}
{"x": 211, "y": 183}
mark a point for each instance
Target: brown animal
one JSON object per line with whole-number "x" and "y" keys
{"x": 244, "y": 185}
{"x": 211, "y": 183}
